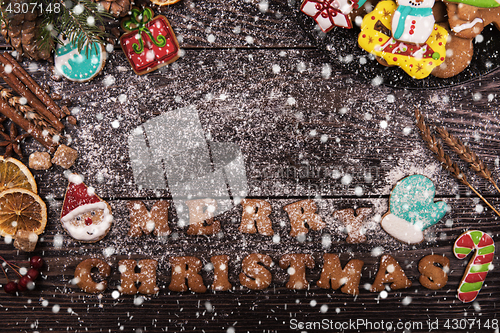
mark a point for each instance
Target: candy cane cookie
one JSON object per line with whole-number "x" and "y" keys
{"x": 478, "y": 267}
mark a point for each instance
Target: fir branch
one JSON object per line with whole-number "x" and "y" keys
{"x": 79, "y": 21}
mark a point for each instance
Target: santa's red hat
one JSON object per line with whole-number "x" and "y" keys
{"x": 79, "y": 199}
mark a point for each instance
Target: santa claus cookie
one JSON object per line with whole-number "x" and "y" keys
{"x": 84, "y": 215}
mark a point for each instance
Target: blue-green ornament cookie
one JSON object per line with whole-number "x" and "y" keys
{"x": 79, "y": 66}
{"x": 412, "y": 209}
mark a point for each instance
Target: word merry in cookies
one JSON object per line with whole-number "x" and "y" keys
{"x": 140, "y": 276}
{"x": 254, "y": 219}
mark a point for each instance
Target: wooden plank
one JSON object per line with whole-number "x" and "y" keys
{"x": 228, "y": 24}
{"x": 274, "y": 307}
{"x": 299, "y": 133}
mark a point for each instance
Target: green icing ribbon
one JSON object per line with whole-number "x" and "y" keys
{"x": 138, "y": 21}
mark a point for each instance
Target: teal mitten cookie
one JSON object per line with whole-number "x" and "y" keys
{"x": 412, "y": 209}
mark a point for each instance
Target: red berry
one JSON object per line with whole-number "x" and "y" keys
{"x": 36, "y": 262}
{"x": 10, "y": 288}
{"x": 23, "y": 283}
{"x": 33, "y": 273}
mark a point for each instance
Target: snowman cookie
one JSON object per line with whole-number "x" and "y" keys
{"x": 84, "y": 215}
{"x": 412, "y": 209}
{"x": 79, "y": 66}
{"x": 417, "y": 58}
{"x": 413, "y": 21}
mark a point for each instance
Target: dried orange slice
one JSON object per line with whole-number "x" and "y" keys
{"x": 21, "y": 209}
{"x": 14, "y": 174}
{"x": 164, "y": 2}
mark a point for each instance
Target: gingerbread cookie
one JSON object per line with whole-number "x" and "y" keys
{"x": 334, "y": 276}
{"x": 353, "y": 223}
{"x": 83, "y": 276}
{"x": 186, "y": 268}
{"x": 418, "y": 60}
{"x": 300, "y": 213}
{"x": 84, "y": 215}
{"x": 79, "y": 66}
{"x": 390, "y": 272}
{"x": 254, "y": 275}
{"x": 468, "y": 18}
{"x": 331, "y": 13}
{"x": 143, "y": 282}
{"x": 412, "y": 209}
{"x": 433, "y": 277}
{"x": 149, "y": 43}
{"x": 297, "y": 271}
{"x": 479, "y": 265}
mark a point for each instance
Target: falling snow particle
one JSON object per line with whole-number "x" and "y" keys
{"x": 108, "y": 252}
{"x": 479, "y": 39}
{"x": 264, "y": 6}
{"x": 115, "y": 124}
{"x": 326, "y": 71}
{"x": 358, "y": 191}
{"x": 477, "y": 96}
{"x": 291, "y": 101}
{"x": 108, "y": 80}
{"x": 406, "y": 130}
{"x": 58, "y": 241}
{"x": 301, "y": 67}
{"x": 276, "y": 239}
{"x": 313, "y": 303}
{"x": 324, "y": 138}
{"x": 383, "y": 294}
{"x": 211, "y": 38}
{"x": 138, "y": 300}
{"x": 115, "y": 294}
{"x": 406, "y": 301}
{"x": 383, "y": 124}
{"x": 324, "y": 308}
{"x": 249, "y": 39}
{"x": 479, "y": 208}
{"x": 326, "y": 241}
{"x": 209, "y": 306}
{"x": 56, "y": 308}
{"x": 346, "y": 179}
{"x": 231, "y": 330}
{"x": 276, "y": 69}
{"x": 377, "y": 81}
{"x": 377, "y": 251}
{"x": 391, "y": 98}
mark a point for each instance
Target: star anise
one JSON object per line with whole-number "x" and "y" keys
{"x": 12, "y": 142}
{"x": 2, "y": 119}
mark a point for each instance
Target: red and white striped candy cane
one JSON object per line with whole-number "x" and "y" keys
{"x": 478, "y": 267}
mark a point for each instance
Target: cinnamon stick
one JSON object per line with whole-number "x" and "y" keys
{"x": 27, "y": 126}
{"x": 31, "y": 84}
{"x": 21, "y": 89}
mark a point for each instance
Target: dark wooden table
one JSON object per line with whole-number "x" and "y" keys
{"x": 257, "y": 81}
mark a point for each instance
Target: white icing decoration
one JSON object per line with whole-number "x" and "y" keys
{"x": 402, "y": 229}
{"x": 467, "y": 25}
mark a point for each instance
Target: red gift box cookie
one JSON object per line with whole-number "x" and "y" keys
{"x": 150, "y": 43}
